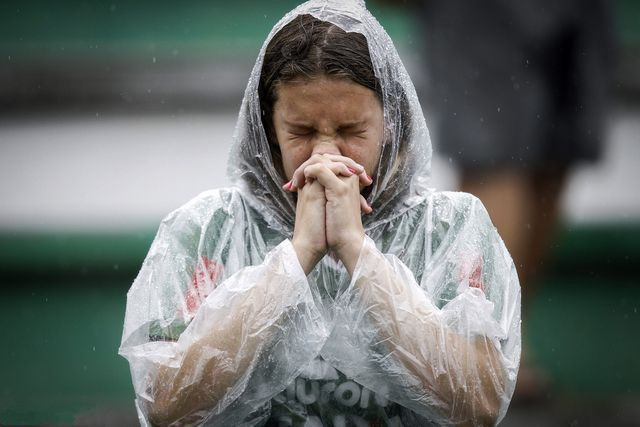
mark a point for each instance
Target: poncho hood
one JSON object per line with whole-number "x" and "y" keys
{"x": 401, "y": 179}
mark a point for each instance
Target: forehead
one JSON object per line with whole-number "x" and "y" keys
{"x": 325, "y": 97}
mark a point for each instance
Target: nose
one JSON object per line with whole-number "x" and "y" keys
{"x": 327, "y": 145}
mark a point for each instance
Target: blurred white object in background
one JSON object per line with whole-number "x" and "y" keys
{"x": 119, "y": 172}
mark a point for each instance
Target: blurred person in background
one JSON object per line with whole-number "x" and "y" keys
{"x": 519, "y": 88}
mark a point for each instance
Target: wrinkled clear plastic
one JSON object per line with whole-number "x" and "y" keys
{"x": 222, "y": 326}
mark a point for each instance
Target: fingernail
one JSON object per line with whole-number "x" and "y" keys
{"x": 370, "y": 179}
{"x": 287, "y": 186}
{"x": 352, "y": 170}
{"x": 290, "y": 185}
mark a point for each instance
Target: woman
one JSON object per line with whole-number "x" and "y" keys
{"x": 329, "y": 285}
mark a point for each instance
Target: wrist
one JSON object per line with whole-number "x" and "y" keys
{"x": 308, "y": 257}
{"x": 349, "y": 251}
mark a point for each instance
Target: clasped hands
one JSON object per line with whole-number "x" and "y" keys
{"x": 328, "y": 209}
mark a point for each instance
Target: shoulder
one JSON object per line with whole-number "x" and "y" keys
{"x": 455, "y": 218}
{"x": 456, "y": 208}
{"x": 455, "y": 202}
{"x": 210, "y": 208}
{"x": 200, "y": 209}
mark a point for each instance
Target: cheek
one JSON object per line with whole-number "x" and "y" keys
{"x": 371, "y": 151}
{"x": 365, "y": 154}
{"x": 291, "y": 159}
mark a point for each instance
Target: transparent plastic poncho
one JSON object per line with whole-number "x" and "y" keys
{"x": 222, "y": 326}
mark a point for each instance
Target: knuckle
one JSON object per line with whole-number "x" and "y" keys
{"x": 317, "y": 157}
{"x": 342, "y": 189}
{"x": 311, "y": 169}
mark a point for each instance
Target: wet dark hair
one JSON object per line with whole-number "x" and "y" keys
{"x": 307, "y": 47}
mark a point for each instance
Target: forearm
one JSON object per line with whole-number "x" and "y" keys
{"x": 217, "y": 359}
{"x": 461, "y": 370}
{"x": 236, "y": 324}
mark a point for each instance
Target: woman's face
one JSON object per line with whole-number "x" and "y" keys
{"x": 327, "y": 116}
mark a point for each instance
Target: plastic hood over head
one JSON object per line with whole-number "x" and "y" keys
{"x": 404, "y": 166}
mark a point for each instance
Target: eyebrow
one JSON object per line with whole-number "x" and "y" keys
{"x": 297, "y": 124}
{"x": 353, "y": 124}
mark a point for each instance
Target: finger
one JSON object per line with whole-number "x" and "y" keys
{"x": 325, "y": 176}
{"x": 298, "y": 178}
{"x": 364, "y": 206}
{"x": 287, "y": 186}
{"x": 365, "y": 179}
{"x": 339, "y": 169}
{"x": 347, "y": 161}
{"x": 354, "y": 167}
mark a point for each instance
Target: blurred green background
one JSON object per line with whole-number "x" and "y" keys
{"x": 64, "y": 277}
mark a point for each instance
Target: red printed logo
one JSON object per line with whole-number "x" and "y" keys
{"x": 203, "y": 283}
{"x": 470, "y": 272}
{"x": 475, "y": 278}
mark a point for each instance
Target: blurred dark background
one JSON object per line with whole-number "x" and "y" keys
{"x": 112, "y": 114}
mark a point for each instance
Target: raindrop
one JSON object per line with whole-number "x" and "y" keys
{"x": 154, "y": 59}
{"x": 499, "y": 109}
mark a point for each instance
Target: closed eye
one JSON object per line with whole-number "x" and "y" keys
{"x": 300, "y": 134}
{"x": 354, "y": 132}
{"x": 300, "y": 130}
{"x": 353, "y": 127}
